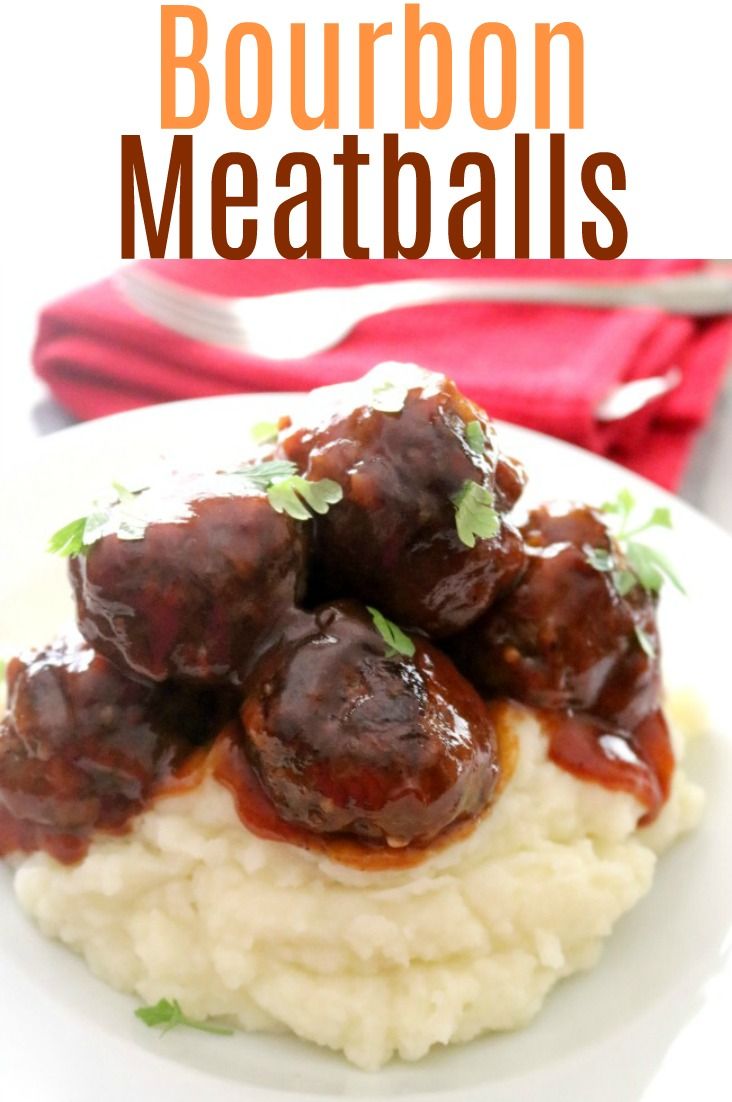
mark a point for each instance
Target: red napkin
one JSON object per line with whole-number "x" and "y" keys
{"x": 544, "y": 367}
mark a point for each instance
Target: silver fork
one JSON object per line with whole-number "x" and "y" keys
{"x": 295, "y": 324}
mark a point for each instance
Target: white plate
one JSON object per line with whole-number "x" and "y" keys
{"x": 651, "y": 1021}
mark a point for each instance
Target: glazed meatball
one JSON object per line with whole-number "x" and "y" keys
{"x": 200, "y": 592}
{"x": 346, "y": 739}
{"x": 82, "y": 747}
{"x": 392, "y": 541}
{"x": 565, "y": 638}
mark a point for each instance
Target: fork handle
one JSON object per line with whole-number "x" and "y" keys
{"x": 702, "y": 295}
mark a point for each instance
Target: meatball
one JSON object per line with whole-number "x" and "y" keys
{"x": 392, "y": 541}
{"x": 565, "y": 638}
{"x": 346, "y": 739}
{"x": 82, "y": 747}
{"x": 200, "y": 593}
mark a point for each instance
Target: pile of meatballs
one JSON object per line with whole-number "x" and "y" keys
{"x": 227, "y": 615}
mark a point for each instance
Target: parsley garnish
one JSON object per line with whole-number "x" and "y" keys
{"x": 396, "y": 641}
{"x": 602, "y": 559}
{"x": 646, "y": 565}
{"x": 262, "y": 475}
{"x": 645, "y": 642}
{"x": 475, "y": 437}
{"x": 168, "y": 1014}
{"x": 389, "y": 397}
{"x": 475, "y": 517}
{"x": 126, "y": 518}
{"x": 288, "y": 492}
{"x": 120, "y": 517}
{"x": 265, "y": 432}
{"x": 69, "y": 540}
{"x": 125, "y": 496}
{"x": 300, "y": 499}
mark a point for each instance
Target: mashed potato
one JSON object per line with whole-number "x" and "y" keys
{"x": 192, "y": 906}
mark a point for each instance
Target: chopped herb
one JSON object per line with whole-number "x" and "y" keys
{"x": 96, "y": 526}
{"x": 651, "y": 567}
{"x": 660, "y": 518}
{"x": 475, "y": 437}
{"x": 69, "y": 540}
{"x": 125, "y": 496}
{"x": 623, "y": 505}
{"x": 300, "y": 499}
{"x": 389, "y": 397}
{"x": 624, "y": 581}
{"x": 396, "y": 641}
{"x": 126, "y": 518}
{"x": 265, "y": 432}
{"x": 475, "y": 516}
{"x": 645, "y": 642}
{"x": 119, "y": 517}
{"x": 647, "y": 566}
{"x": 603, "y": 560}
{"x": 3, "y": 667}
{"x": 600, "y": 558}
{"x": 168, "y": 1014}
{"x": 262, "y": 475}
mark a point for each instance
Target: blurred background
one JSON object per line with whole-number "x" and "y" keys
{"x": 649, "y": 387}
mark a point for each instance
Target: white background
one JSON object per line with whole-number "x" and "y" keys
{"x": 658, "y": 88}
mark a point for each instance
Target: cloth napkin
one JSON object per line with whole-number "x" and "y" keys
{"x": 545, "y": 367}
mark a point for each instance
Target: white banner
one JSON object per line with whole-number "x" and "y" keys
{"x": 576, "y": 129}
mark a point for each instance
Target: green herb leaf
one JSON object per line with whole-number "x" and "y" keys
{"x": 3, "y": 668}
{"x": 644, "y": 567}
{"x": 651, "y": 567}
{"x": 600, "y": 558}
{"x": 168, "y": 1014}
{"x": 284, "y": 498}
{"x": 475, "y": 516}
{"x": 396, "y": 640}
{"x": 660, "y": 518}
{"x": 68, "y": 540}
{"x": 126, "y": 518}
{"x": 121, "y": 517}
{"x": 603, "y": 560}
{"x": 97, "y": 525}
{"x": 645, "y": 642}
{"x": 125, "y": 495}
{"x": 164, "y": 1012}
{"x": 265, "y": 432}
{"x": 623, "y": 504}
{"x": 262, "y": 475}
{"x": 624, "y": 581}
{"x": 300, "y": 499}
{"x": 475, "y": 437}
{"x": 389, "y": 397}
{"x": 647, "y": 566}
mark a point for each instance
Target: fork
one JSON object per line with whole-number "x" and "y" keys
{"x": 295, "y": 324}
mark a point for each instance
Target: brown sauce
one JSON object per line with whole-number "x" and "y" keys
{"x": 567, "y": 643}
{"x": 399, "y": 476}
{"x": 640, "y": 762}
{"x": 348, "y": 739}
{"x": 84, "y": 750}
{"x": 230, "y": 766}
{"x": 374, "y": 763}
{"x": 22, "y": 836}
